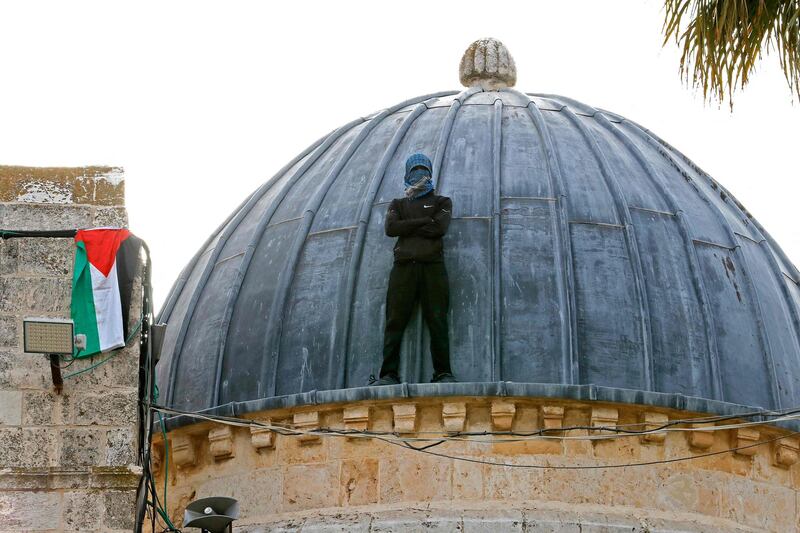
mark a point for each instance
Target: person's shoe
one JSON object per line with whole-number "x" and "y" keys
{"x": 388, "y": 379}
{"x": 444, "y": 377}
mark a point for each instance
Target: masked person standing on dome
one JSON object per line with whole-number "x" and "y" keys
{"x": 419, "y": 220}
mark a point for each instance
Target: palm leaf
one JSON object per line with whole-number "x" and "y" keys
{"x": 722, "y": 42}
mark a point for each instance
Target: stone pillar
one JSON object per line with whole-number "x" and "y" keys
{"x": 67, "y": 461}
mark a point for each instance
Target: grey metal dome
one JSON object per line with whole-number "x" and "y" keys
{"x": 583, "y": 250}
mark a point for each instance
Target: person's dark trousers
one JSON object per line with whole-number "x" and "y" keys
{"x": 409, "y": 283}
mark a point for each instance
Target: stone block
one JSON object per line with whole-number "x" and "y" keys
{"x": 106, "y": 408}
{"x": 356, "y": 418}
{"x": 49, "y": 257}
{"x": 35, "y": 296}
{"x": 785, "y": 452}
{"x": 490, "y": 521}
{"x": 116, "y": 477}
{"x": 109, "y": 191}
{"x": 24, "y": 479}
{"x": 24, "y": 370}
{"x": 414, "y": 477}
{"x": 183, "y": 451}
{"x": 467, "y": 481}
{"x": 404, "y": 417}
{"x": 746, "y": 439}
{"x": 650, "y": 422}
{"x": 358, "y": 482}
{"x": 454, "y": 416}
{"x": 512, "y": 483}
{"x": 310, "y": 487}
{"x": 82, "y": 510}
{"x": 220, "y": 442}
{"x": 307, "y": 421}
{"x": 30, "y": 511}
{"x": 10, "y": 408}
{"x": 9, "y": 256}
{"x": 120, "y": 446}
{"x": 38, "y": 447}
{"x": 552, "y": 417}
{"x": 701, "y": 438}
{"x": 82, "y": 446}
{"x": 115, "y": 217}
{"x": 604, "y": 417}
{"x": 64, "y": 477}
{"x": 39, "y": 408}
{"x": 45, "y": 217}
{"x": 262, "y": 438}
{"x": 120, "y": 509}
{"x": 9, "y": 332}
{"x": 502, "y": 415}
{"x": 11, "y": 449}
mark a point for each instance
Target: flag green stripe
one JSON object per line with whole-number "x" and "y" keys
{"x": 82, "y": 309}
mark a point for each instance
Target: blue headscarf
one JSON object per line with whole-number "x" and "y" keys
{"x": 418, "y": 179}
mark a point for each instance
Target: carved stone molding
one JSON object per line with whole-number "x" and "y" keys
{"x": 183, "y": 452}
{"x": 405, "y": 417}
{"x": 503, "y": 415}
{"x": 262, "y": 438}
{"x": 702, "y": 439}
{"x": 785, "y": 452}
{"x": 307, "y": 421}
{"x": 651, "y": 421}
{"x": 745, "y": 437}
{"x": 454, "y": 416}
{"x": 356, "y": 419}
{"x": 220, "y": 442}
{"x": 552, "y": 417}
{"x": 604, "y": 417}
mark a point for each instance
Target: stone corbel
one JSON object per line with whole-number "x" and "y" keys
{"x": 356, "y": 419}
{"x": 604, "y": 417}
{"x": 220, "y": 442}
{"x": 785, "y": 452}
{"x": 183, "y": 452}
{"x": 503, "y": 415}
{"x": 405, "y": 417}
{"x": 157, "y": 456}
{"x": 745, "y": 437}
{"x": 552, "y": 417}
{"x": 262, "y": 438}
{"x": 651, "y": 421}
{"x": 700, "y": 438}
{"x": 307, "y": 421}
{"x": 454, "y": 416}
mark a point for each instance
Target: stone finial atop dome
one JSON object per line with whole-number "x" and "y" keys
{"x": 487, "y": 64}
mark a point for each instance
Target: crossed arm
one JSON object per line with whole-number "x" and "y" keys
{"x": 428, "y": 227}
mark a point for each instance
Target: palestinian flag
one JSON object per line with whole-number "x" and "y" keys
{"x": 105, "y": 265}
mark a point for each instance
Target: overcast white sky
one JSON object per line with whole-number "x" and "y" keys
{"x": 201, "y": 102}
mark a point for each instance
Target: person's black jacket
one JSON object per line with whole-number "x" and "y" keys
{"x": 420, "y": 224}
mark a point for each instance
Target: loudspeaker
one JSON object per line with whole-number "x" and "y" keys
{"x": 213, "y": 514}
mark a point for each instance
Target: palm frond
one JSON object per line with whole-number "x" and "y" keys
{"x": 722, "y": 41}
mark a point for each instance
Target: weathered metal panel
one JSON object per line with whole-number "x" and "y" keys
{"x": 588, "y": 198}
{"x": 467, "y": 261}
{"x": 681, "y": 357}
{"x": 308, "y": 358}
{"x": 609, "y": 337}
{"x": 530, "y": 329}
{"x": 745, "y": 376}
{"x": 523, "y": 168}
{"x": 244, "y": 350}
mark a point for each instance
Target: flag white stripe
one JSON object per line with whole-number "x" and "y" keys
{"x": 108, "y": 308}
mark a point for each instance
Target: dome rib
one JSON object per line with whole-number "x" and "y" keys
{"x": 691, "y": 252}
{"x": 565, "y": 274}
{"x": 496, "y": 266}
{"x": 621, "y": 205}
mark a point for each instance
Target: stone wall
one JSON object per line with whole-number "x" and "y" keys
{"x": 343, "y": 483}
{"x": 67, "y": 462}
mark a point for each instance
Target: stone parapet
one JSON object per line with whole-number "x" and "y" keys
{"x": 280, "y": 480}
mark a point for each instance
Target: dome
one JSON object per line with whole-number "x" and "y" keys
{"x": 584, "y": 251}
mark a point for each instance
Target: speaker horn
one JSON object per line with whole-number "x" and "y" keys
{"x": 212, "y": 515}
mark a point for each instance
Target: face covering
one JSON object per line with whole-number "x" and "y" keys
{"x": 418, "y": 182}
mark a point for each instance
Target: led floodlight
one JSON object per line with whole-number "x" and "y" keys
{"x": 48, "y": 336}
